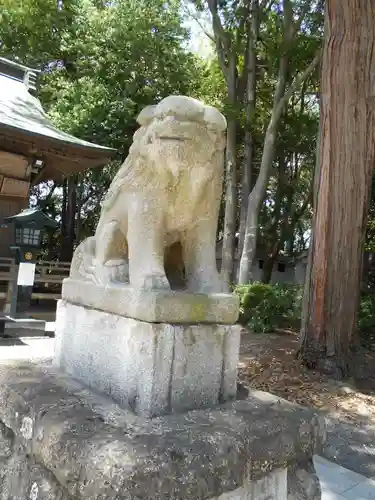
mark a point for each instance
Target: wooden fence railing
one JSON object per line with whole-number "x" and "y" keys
{"x": 49, "y": 276}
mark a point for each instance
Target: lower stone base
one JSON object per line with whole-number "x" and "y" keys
{"x": 151, "y": 368}
{"x": 272, "y": 486}
{"x": 60, "y": 441}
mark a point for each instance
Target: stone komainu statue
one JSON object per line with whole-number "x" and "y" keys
{"x": 160, "y": 214}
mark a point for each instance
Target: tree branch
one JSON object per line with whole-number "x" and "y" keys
{"x": 253, "y": 22}
{"x": 47, "y": 199}
{"x": 293, "y": 87}
{"x": 222, "y": 39}
{"x": 199, "y": 22}
{"x": 218, "y": 28}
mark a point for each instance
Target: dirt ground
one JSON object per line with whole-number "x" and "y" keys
{"x": 268, "y": 363}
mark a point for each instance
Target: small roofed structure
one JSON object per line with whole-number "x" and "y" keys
{"x": 29, "y": 226}
{"x": 32, "y": 149}
{"x": 33, "y": 215}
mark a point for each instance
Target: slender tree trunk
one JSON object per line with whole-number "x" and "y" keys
{"x": 258, "y": 192}
{"x": 268, "y": 264}
{"x": 345, "y": 161}
{"x": 230, "y": 217}
{"x": 63, "y": 216}
{"x": 79, "y": 210}
{"x": 250, "y": 100}
{"x": 272, "y": 233}
{"x": 50, "y": 246}
{"x": 71, "y": 208}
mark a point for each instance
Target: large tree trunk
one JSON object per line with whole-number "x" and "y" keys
{"x": 345, "y": 161}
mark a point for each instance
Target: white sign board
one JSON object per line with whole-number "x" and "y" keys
{"x": 26, "y": 274}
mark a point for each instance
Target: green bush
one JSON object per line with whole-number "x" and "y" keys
{"x": 267, "y": 307}
{"x": 366, "y": 313}
{"x": 264, "y": 308}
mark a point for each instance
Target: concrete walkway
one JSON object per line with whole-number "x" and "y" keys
{"x": 337, "y": 482}
{"x": 30, "y": 347}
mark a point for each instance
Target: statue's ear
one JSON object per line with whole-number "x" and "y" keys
{"x": 146, "y": 116}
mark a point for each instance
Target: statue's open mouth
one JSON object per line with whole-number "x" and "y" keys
{"x": 171, "y": 138}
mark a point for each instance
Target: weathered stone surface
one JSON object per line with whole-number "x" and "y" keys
{"x": 303, "y": 483}
{"x": 20, "y": 476}
{"x": 152, "y": 368}
{"x": 97, "y": 451}
{"x": 25, "y": 479}
{"x": 6, "y": 447}
{"x": 271, "y": 487}
{"x": 155, "y": 306}
{"x": 160, "y": 214}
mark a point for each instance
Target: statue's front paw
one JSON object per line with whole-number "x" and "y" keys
{"x": 113, "y": 271}
{"x": 212, "y": 285}
{"x": 155, "y": 282}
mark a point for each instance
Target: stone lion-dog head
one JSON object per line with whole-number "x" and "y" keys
{"x": 177, "y": 134}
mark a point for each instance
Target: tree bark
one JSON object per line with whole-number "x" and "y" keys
{"x": 272, "y": 232}
{"x": 63, "y": 230}
{"x": 67, "y": 247}
{"x": 250, "y": 101}
{"x": 268, "y": 265}
{"x": 230, "y": 217}
{"x": 345, "y": 161}
{"x": 79, "y": 210}
{"x": 226, "y": 49}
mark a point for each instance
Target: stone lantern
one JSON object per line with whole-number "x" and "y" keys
{"x": 29, "y": 226}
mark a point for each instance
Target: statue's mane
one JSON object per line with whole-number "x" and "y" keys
{"x": 135, "y": 170}
{"x": 138, "y": 171}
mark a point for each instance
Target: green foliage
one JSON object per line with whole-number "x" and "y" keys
{"x": 267, "y": 307}
{"x": 264, "y": 308}
{"x": 366, "y": 313}
{"x": 370, "y": 229}
{"x": 118, "y": 59}
{"x": 101, "y": 63}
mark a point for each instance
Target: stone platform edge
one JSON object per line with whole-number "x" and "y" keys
{"x": 80, "y": 445}
{"x": 153, "y": 306}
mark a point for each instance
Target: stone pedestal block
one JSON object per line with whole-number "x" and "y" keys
{"x": 151, "y": 368}
{"x": 154, "y": 306}
{"x": 61, "y": 441}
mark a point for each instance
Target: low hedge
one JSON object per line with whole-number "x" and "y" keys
{"x": 264, "y": 308}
